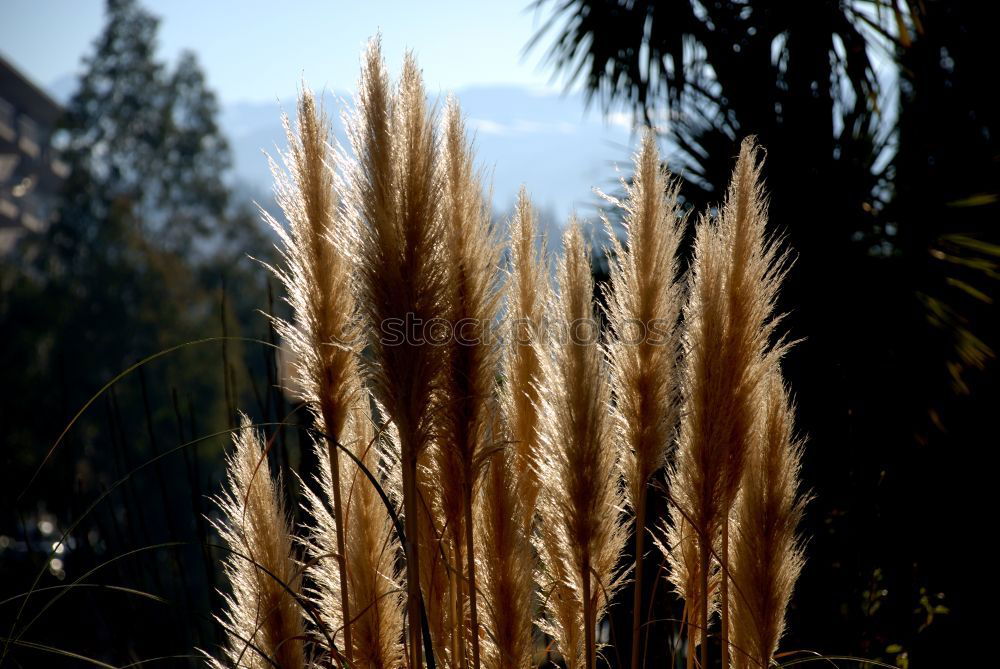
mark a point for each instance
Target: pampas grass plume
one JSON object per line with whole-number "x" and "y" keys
{"x": 262, "y": 620}
{"x": 581, "y": 501}
{"x": 316, "y": 275}
{"x": 527, "y": 293}
{"x": 766, "y": 555}
{"x": 394, "y": 201}
{"x": 643, "y": 307}
{"x": 735, "y": 275}
{"x": 471, "y": 264}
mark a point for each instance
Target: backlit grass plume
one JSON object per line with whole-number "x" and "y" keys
{"x": 766, "y": 555}
{"x": 504, "y": 551}
{"x": 735, "y": 275}
{"x": 395, "y": 201}
{"x": 643, "y": 307}
{"x": 510, "y": 486}
{"x": 439, "y": 570}
{"x": 580, "y": 503}
{"x": 375, "y": 584}
{"x": 471, "y": 264}
{"x": 263, "y": 622}
{"x": 527, "y": 293}
{"x": 317, "y": 278}
{"x": 514, "y": 461}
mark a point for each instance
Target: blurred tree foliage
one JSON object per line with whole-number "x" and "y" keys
{"x": 883, "y": 164}
{"x": 149, "y": 251}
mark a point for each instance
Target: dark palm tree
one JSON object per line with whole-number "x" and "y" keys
{"x": 882, "y": 164}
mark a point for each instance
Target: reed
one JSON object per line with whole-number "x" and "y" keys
{"x": 766, "y": 554}
{"x": 581, "y": 501}
{"x": 316, "y": 275}
{"x": 262, "y": 618}
{"x": 394, "y": 199}
{"x": 644, "y": 304}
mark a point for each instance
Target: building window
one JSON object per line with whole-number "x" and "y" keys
{"x": 8, "y": 209}
{"x": 59, "y": 168}
{"x": 7, "y": 120}
{"x": 8, "y": 163}
{"x": 29, "y": 141}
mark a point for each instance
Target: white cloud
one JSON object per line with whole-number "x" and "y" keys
{"x": 488, "y": 127}
{"x": 523, "y": 127}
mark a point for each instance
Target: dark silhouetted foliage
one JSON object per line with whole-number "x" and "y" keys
{"x": 149, "y": 251}
{"x": 881, "y": 132}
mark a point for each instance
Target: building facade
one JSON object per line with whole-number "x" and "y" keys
{"x": 31, "y": 173}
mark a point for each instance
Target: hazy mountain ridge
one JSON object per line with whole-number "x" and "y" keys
{"x": 547, "y": 141}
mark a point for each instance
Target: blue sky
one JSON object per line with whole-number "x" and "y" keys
{"x": 254, "y": 53}
{"x": 255, "y": 50}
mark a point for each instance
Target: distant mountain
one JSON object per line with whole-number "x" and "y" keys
{"x": 544, "y": 140}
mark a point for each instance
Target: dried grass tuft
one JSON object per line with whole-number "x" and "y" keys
{"x": 766, "y": 555}
{"x": 581, "y": 502}
{"x": 316, "y": 275}
{"x": 728, "y": 350}
{"x": 263, "y": 621}
{"x": 644, "y": 304}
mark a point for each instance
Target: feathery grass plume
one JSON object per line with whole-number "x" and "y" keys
{"x": 438, "y": 566}
{"x": 766, "y": 555}
{"x": 506, "y": 504}
{"x": 374, "y": 579}
{"x": 316, "y": 276}
{"x": 581, "y": 501}
{"x": 395, "y": 195}
{"x": 643, "y": 307}
{"x": 471, "y": 264}
{"x": 527, "y": 291}
{"x": 504, "y": 551}
{"x": 686, "y": 540}
{"x": 756, "y": 269}
{"x": 735, "y": 275}
{"x": 681, "y": 546}
{"x": 435, "y": 567}
{"x": 263, "y": 621}
{"x": 561, "y": 592}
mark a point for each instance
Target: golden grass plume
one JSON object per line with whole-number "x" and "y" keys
{"x": 735, "y": 276}
{"x": 766, "y": 556}
{"x": 371, "y": 554}
{"x": 506, "y": 507}
{"x": 644, "y": 303}
{"x": 394, "y": 201}
{"x": 317, "y": 278}
{"x": 263, "y": 622}
{"x": 527, "y": 293}
{"x": 467, "y": 401}
{"x": 581, "y": 502}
